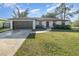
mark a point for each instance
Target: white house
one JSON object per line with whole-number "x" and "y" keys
{"x": 33, "y": 23}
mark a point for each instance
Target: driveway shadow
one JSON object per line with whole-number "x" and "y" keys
{"x": 31, "y": 36}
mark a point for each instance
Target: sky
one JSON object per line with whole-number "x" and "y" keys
{"x": 35, "y": 9}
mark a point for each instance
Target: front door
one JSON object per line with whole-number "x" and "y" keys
{"x": 47, "y": 24}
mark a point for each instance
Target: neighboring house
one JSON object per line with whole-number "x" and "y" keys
{"x": 33, "y": 23}
{"x": 5, "y": 24}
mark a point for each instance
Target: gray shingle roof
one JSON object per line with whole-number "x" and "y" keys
{"x": 38, "y": 19}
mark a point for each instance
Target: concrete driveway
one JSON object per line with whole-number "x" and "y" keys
{"x": 15, "y": 34}
{"x": 10, "y": 41}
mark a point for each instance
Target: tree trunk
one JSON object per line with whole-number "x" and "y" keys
{"x": 64, "y": 16}
{"x": 64, "y": 12}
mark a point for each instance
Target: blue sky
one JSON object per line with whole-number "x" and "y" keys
{"x": 35, "y": 9}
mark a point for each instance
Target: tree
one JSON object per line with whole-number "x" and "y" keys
{"x": 76, "y": 23}
{"x": 50, "y": 15}
{"x": 17, "y": 13}
{"x": 24, "y": 13}
{"x": 64, "y": 11}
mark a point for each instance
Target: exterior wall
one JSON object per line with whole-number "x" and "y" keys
{"x": 37, "y": 23}
{"x": 67, "y": 23}
{"x": 58, "y": 22}
{"x": 11, "y": 24}
{"x": 44, "y": 24}
{"x": 34, "y": 24}
{"x": 50, "y": 24}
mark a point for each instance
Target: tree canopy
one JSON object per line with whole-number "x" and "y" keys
{"x": 76, "y": 23}
{"x": 50, "y": 15}
{"x": 63, "y": 11}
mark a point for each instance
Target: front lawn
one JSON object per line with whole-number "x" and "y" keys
{"x": 4, "y": 29}
{"x": 50, "y": 43}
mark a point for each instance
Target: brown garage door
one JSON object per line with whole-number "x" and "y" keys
{"x": 22, "y": 24}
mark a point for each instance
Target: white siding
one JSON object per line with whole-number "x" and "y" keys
{"x": 44, "y": 24}
{"x": 11, "y": 24}
{"x": 34, "y": 25}
{"x": 50, "y": 24}
{"x": 67, "y": 23}
{"x": 37, "y": 22}
{"x": 58, "y": 22}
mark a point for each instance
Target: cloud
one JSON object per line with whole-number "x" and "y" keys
{"x": 52, "y": 7}
{"x": 48, "y": 5}
{"x": 11, "y": 5}
{"x": 22, "y": 10}
{"x": 34, "y": 11}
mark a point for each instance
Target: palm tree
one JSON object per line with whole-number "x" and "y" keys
{"x": 24, "y": 13}
{"x": 17, "y": 13}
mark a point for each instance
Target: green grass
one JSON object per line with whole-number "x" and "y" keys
{"x": 2, "y": 21}
{"x": 54, "y": 43}
{"x": 4, "y": 29}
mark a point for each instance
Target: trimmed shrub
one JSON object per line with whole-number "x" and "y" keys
{"x": 61, "y": 27}
{"x": 39, "y": 27}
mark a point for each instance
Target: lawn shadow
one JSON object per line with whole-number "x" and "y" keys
{"x": 40, "y": 29}
{"x": 31, "y": 36}
{"x": 65, "y": 30}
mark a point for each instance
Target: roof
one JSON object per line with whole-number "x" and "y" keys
{"x": 51, "y": 19}
{"x": 38, "y": 19}
{"x": 22, "y": 18}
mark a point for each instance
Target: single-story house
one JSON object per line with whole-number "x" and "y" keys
{"x": 32, "y": 23}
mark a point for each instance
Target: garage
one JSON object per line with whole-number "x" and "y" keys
{"x": 22, "y": 24}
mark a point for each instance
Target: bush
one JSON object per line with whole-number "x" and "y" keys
{"x": 39, "y": 27}
{"x": 61, "y": 27}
